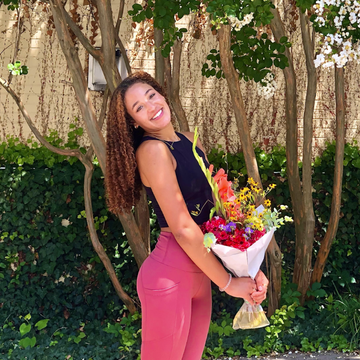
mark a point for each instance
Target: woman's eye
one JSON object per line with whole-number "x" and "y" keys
{"x": 139, "y": 108}
{"x": 152, "y": 95}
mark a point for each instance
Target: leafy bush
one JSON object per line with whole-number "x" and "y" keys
{"x": 49, "y": 269}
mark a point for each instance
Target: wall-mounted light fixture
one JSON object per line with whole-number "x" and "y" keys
{"x": 96, "y": 78}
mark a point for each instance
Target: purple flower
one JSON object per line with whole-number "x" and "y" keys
{"x": 231, "y": 226}
{"x": 248, "y": 232}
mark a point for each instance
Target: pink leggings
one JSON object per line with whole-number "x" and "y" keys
{"x": 175, "y": 299}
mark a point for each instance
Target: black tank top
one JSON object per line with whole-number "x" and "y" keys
{"x": 193, "y": 184}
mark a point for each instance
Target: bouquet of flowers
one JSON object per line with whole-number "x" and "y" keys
{"x": 240, "y": 232}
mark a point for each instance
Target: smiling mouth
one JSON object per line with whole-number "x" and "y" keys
{"x": 157, "y": 114}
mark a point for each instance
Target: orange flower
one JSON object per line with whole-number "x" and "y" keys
{"x": 224, "y": 185}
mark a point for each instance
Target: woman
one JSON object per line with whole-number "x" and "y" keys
{"x": 174, "y": 281}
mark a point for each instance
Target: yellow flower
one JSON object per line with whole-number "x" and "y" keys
{"x": 251, "y": 181}
{"x": 267, "y": 203}
{"x": 272, "y": 186}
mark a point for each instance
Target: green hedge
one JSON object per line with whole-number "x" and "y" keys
{"x": 42, "y": 192}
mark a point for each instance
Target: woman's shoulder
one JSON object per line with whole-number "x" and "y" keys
{"x": 151, "y": 148}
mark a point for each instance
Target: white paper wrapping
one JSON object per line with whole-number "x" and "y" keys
{"x": 244, "y": 263}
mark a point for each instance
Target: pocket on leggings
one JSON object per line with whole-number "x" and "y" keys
{"x": 160, "y": 312}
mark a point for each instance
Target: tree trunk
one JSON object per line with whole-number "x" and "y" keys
{"x": 338, "y": 175}
{"x": 175, "y": 88}
{"x": 142, "y": 218}
{"x": 108, "y": 39}
{"x": 232, "y": 79}
{"x": 159, "y": 59}
{"x": 304, "y": 243}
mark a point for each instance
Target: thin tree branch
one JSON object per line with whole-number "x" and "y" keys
{"x": 82, "y": 38}
{"x": 95, "y": 240}
{"x": 120, "y": 15}
{"x": 123, "y": 53}
{"x": 17, "y": 41}
{"x": 65, "y": 152}
{"x": 90, "y": 152}
{"x": 118, "y": 40}
{"x": 6, "y": 48}
{"x": 79, "y": 82}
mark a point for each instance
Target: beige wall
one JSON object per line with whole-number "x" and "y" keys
{"x": 49, "y": 98}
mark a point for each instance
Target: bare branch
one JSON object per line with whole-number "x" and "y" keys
{"x": 123, "y": 52}
{"x": 95, "y": 240}
{"x": 120, "y": 15}
{"x": 104, "y": 107}
{"x": 17, "y": 41}
{"x": 175, "y": 87}
{"x": 90, "y": 151}
{"x": 65, "y": 152}
{"x": 117, "y": 37}
{"x": 6, "y": 48}
{"x": 82, "y": 38}
{"x": 79, "y": 83}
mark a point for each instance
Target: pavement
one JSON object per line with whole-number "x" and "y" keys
{"x": 297, "y": 355}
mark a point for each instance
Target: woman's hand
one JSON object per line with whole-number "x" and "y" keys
{"x": 242, "y": 287}
{"x": 261, "y": 281}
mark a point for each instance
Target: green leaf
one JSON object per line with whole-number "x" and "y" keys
{"x": 27, "y": 342}
{"x": 148, "y": 12}
{"x": 24, "y": 328}
{"x": 42, "y": 324}
{"x": 137, "y": 7}
{"x": 162, "y": 11}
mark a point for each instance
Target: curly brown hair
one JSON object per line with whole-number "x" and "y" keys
{"x": 122, "y": 178}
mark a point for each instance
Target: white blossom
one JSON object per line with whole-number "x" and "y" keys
{"x": 347, "y": 46}
{"x": 320, "y": 59}
{"x": 327, "y": 49}
{"x": 337, "y": 22}
{"x": 338, "y": 39}
{"x": 330, "y": 39}
{"x": 267, "y": 90}
{"x": 320, "y": 20}
{"x": 238, "y": 24}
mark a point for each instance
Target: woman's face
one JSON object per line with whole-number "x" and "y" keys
{"x": 147, "y": 107}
